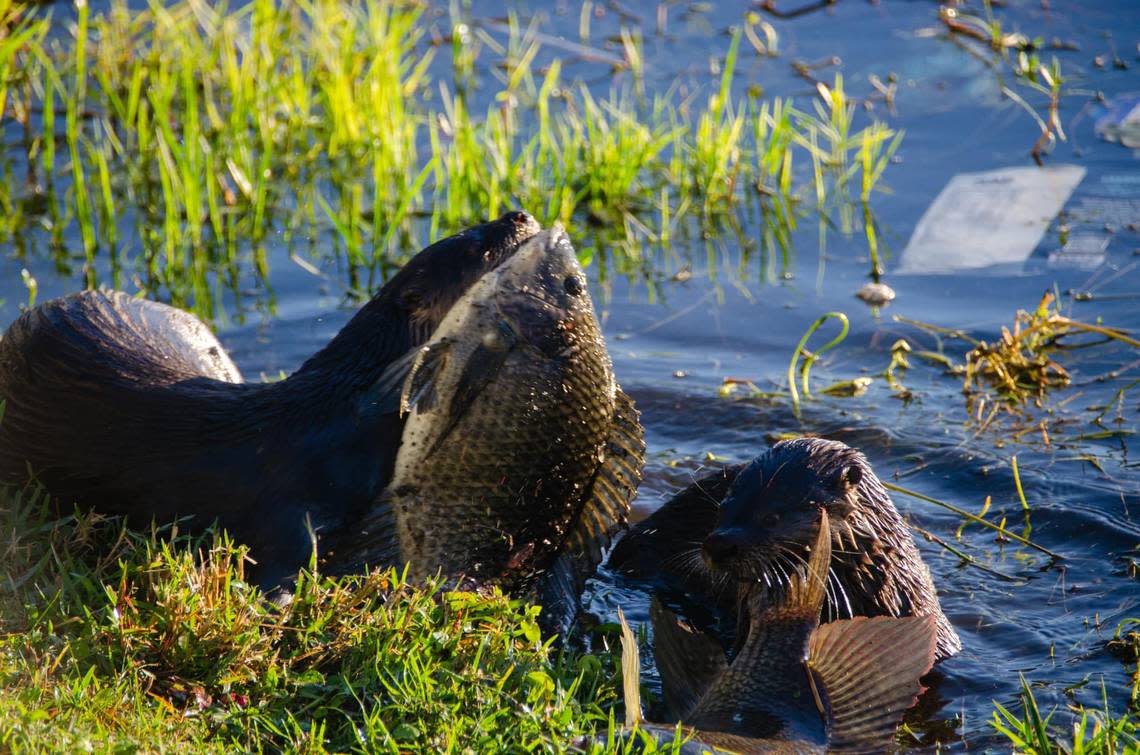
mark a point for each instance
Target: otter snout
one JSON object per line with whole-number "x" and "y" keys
{"x": 723, "y": 546}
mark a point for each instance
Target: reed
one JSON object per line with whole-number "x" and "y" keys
{"x": 193, "y": 134}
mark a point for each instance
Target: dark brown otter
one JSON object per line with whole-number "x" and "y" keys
{"x": 753, "y": 524}
{"x": 133, "y": 407}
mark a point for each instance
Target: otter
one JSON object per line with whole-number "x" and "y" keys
{"x": 794, "y": 686}
{"x": 131, "y": 407}
{"x": 752, "y": 524}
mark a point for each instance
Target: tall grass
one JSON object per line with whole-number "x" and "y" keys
{"x": 194, "y": 134}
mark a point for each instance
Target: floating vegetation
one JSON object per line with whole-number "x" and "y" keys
{"x": 1020, "y": 54}
{"x": 172, "y": 144}
{"x": 1001, "y": 529}
{"x": 1018, "y": 371}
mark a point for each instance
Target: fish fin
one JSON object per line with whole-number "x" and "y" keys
{"x": 371, "y": 542}
{"x": 479, "y": 369}
{"x": 869, "y": 670}
{"x": 604, "y": 511}
{"x": 688, "y": 660}
{"x": 418, "y": 390}
{"x": 630, "y": 673}
{"x": 386, "y": 395}
{"x": 808, "y": 591}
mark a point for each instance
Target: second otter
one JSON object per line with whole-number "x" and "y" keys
{"x": 753, "y": 524}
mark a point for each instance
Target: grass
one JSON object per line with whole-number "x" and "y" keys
{"x": 1092, "y": 731}
{"x": 172, "y": 146}
{"x": 118, "y": 641}
{"x": 113, "y": 640}
{"x": 1019, "y": 54}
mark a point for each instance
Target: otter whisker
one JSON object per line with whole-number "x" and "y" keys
{"x": 842, "y": 592}
{"x": 677, "y": 559}
{"x": 787, "y": 581}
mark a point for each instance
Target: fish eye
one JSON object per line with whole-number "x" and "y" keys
{"x": 573, "y": 285}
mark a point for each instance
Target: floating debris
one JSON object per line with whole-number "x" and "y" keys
{"x": 990, "y": 218}
{"x": 876, "y": 294}
{"x": 1122, "y": 121}
{"x": 849, "y": 388}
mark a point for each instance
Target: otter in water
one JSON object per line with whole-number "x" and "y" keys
{"x": 520, "y": 453}
{"x": 794, "y": 685}
{"x": 133, "y": 407}
{"x": 751, "y": 524}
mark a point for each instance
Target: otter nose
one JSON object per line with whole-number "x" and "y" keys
{"x": 723, "y": 545}
{"x": 520, "y": 218}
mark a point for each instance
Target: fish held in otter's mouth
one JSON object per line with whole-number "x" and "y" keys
{"x": 520, "y": 453}
{"x": 794, "y": 686}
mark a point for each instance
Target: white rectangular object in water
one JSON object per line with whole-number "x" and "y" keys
{"x": 996, "y": 217}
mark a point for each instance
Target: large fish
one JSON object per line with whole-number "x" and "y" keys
{"x": 794, "y": 685}
{"x": 520, "y": 453}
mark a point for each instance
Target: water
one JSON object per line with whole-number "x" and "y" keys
{"x": 741, "y": 312}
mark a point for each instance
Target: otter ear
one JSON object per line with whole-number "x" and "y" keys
{"x": 850, "y": 478}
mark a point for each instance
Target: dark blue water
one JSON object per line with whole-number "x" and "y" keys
{"x": 741, "y": 315}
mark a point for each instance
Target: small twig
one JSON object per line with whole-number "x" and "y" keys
{"x": 973, "y": 518}
{"x": 966, "y": 557}
{"x": 769, "y": 6}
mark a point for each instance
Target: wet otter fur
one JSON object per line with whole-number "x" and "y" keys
{"x": 131, "y": 407}
{"x": 753, "y": 523}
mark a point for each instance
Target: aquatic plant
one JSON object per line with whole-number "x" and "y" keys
{"x": 1018, "y": 371}
{"x": 809, "y": 357}
{"x": 176, "y": 143}
{"x": 1094, "y": 732}
{"x": 1025, "y": 64}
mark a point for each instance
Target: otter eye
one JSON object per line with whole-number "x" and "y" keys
{"x": 771, "y": 520}
{"x": 573, "y": 285}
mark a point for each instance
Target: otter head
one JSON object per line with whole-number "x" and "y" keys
{"x": 770, "y": 516}
{"x": 432, "y": 281}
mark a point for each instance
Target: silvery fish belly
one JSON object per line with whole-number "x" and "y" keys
{"x": 519, "y": 453}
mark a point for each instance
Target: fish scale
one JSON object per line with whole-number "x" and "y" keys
{"x": 494, "y": 459}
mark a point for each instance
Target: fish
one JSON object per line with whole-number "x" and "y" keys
{"x": 794, "y": 685}
{"x": 520, "y": 453}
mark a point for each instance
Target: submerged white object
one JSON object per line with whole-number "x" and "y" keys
{"x": 995, "y": 217}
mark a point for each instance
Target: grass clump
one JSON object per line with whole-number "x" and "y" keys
{"x": 114, "y": 640}
{"x": 1093, "y": 732}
